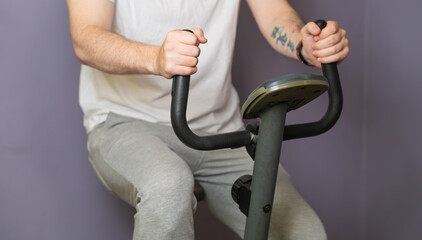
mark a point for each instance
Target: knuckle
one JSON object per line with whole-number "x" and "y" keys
{"x": 191, "y": 40}
{"x": 347, "y": 50}
{"x": 169, "y": 69}
{"x": 317, "y": 45}
{"x": 184, "y": 71}
{"x": 333, "y": 28}
{"x": 198, "y": 31}
{"x": 172, "y": 34}
{"x": 320, "y": 54}
{"x": 169, "y": 46}
{"x": 331, "y": 41}
{"x": 335, "y": 25}
{"x": 193, "y": 70}
{"x": 340, "y": 47}
{"x": 339, "y": 38}
{"x": 188, "y": 71}
{"x": 335, "y": 58}
{"x": 197, "y": 51}
{"x": 191, "y": 62}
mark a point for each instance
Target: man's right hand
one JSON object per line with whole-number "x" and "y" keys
{"x": 178, "y": 55}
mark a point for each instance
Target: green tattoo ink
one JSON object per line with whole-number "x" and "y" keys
{"x": 291, "y": 46}
{"x": 283, "y": 39}
{"x": 280, "y": 36}
{"x": 275, "y": 31}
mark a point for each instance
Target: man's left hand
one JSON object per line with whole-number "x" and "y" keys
{"x": 326, "y": 46}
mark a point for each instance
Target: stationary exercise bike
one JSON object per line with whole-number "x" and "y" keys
{"x": 270, "y": 102}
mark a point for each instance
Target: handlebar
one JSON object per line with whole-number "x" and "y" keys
{"x": 244, "y": 138}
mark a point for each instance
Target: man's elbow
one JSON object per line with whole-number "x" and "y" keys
{"x": 79, "y": 42}
{"x": 80, "y": 54}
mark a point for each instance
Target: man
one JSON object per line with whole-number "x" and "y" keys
{"x": 129, "y": 49}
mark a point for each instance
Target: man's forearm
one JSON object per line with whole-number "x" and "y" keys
{"x": 285, "y": 34}
{"x": 112, "y": 53}
{"x": 279, "y": 23}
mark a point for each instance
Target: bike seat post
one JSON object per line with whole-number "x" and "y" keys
{"x": 265, "y": 171}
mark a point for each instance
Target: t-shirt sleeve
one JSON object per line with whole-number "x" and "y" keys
{"x": 113, "y": 1}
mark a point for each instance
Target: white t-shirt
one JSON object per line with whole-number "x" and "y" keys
{"x": 213, "y": 104}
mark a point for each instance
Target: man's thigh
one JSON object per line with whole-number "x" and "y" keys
{"x": 131, "y": 159}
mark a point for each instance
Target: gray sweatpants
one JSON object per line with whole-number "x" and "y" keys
{"x": 147, "y": 166}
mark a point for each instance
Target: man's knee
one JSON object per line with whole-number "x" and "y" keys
{"x": 173, "y": 185}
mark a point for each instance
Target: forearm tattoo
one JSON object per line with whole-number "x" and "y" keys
{"x": 279, "y": 34}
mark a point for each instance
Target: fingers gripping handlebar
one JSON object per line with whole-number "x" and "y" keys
{"x": 244, "y": 138}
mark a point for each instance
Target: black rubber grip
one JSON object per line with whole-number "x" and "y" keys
{"x": 335, "y": 104}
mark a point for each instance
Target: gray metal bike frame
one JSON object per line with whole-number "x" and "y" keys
{"x": 265, "y": 172}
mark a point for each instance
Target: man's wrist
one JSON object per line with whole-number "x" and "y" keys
{"x": 152, "y": 60}
{"x": 300, "y": 56}
{"x": 146, "y": 59}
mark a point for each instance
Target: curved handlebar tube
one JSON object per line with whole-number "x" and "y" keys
{"x": 185, "y": 134}
{"x": 245, "y": 138}
{"x": 335, "y": 104}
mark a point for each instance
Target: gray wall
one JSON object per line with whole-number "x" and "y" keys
{"x": 393, "y": 117}
{"x": 363, "y": 177}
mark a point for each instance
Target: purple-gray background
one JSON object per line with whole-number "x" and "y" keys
{"x": 363, "y": 177}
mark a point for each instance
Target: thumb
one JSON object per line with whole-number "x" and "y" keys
{"x": 199, "y": 34}
{"x": 311, "y": 29}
